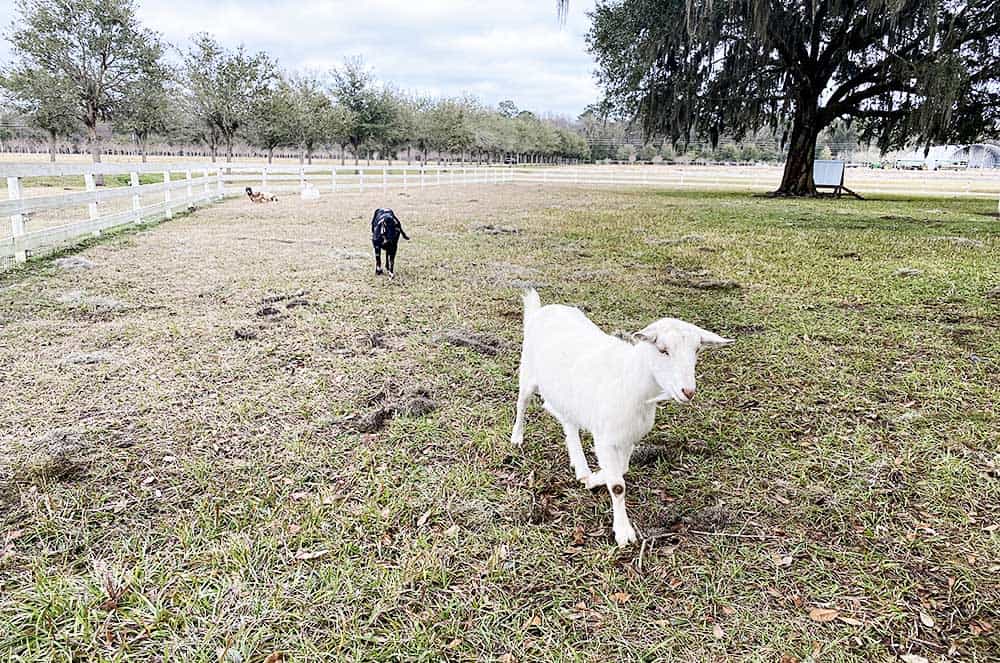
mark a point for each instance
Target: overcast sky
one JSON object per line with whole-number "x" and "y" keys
{"x": 512, "y": 49}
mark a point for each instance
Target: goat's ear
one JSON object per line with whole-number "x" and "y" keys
{"x": 710, "y": 340}
{"x": 647, "y": 335}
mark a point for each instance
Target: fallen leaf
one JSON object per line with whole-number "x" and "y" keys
{"x": 620, "y": 597}
{"x": 451, "y": 531}
{"x": 782, "y": 560}
{"x": 787, "y": 658}
{"x": 781, "y": 498}
{"x": 578, "y": 536}
{"x": 718, "y": 632}
{"x": 148, "y": 480}
{"x": 424, "y": 518}
{"x": 728, "y": 611}
{"x": 533, "y": 622}
{"x": 303, "y": 555}
{"x": 299, "y": 496}
{"x": 294, "y": 529}
{"x": 913, "y": 658}
{"x": 850, "y": 620}
{"x": 507, "y": 658}
{"x": 454, "y": 643}
{"x": 926, "y": 620}
{"x": 274, "y": 657}
{"x": 823, "y": 614}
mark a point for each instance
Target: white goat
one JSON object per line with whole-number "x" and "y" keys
{"x": 605, "y": 385}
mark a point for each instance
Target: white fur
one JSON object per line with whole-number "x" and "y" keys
{"x": 596, "y": 382}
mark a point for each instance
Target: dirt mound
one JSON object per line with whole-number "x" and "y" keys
{"x": 490, "y": 229}
{"x": 88, "y": 358}
{"x": 963, "y": 242}
{"x": 481, "y": 343}
{"x": 74, "y": 263}
{"x": 389, "y": 403}
{"x": 79, "y": 298}
{"x": 699, "y": 280}
{"x": 53, "y": 457}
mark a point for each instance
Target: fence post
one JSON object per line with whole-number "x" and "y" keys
{"x": 384, "y": 181}
{"x": 167, "y": 195}
{"x": 220, "y": 184}
{"x": 405, "y": 170}
{"x": 263, "y": 179}
{"x": 361, "y": 180}
{"x": 88, "y": 180}
{"x": 208, "y": 189}
{"x": 439, "y": 175}
{"x": 421, "y": 174}
{"x": 302, "y": 178}
{"x": 333, "y": 180}
{"x": 133, "y": 180}
{"x": 16, "y": 220}
{"x": 190, "y": 188}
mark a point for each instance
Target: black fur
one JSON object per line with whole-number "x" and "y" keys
{"x": 386, "y": 231}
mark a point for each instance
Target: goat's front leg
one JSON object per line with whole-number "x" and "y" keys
{"x": 378, "y": 260}
{"x": 609, "y": 458}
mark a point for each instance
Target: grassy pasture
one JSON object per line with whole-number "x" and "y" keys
{"x": 182, "y": 474}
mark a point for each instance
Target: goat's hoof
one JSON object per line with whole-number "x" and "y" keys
{"x": 625, "y": 536}
{"x": 378, "y": 272}
{"x": 517, "y": 439}
{"x": 593, "y": 480}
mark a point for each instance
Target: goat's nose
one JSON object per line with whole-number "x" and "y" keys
{"x": 689, "y": 393}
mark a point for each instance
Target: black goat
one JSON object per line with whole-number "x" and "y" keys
{"x": 386, "y": 230}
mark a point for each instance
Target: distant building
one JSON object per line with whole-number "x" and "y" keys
{"x": 978, "y": 155}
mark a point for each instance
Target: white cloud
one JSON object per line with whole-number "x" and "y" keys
{"x": 495, "y": 50}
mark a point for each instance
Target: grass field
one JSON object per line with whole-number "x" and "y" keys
{"x": 199, "y": 462}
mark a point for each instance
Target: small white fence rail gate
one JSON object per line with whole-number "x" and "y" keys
{"x": 42, "y": 222}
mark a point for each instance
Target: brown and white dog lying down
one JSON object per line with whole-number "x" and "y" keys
{"x": 261, "y": 197}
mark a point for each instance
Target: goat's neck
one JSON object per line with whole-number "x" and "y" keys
{"x": 642, "y": 376}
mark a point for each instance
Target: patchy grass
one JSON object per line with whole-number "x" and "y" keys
{"x": 203, "y": 492}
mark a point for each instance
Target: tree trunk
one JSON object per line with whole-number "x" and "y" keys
{"x": 270, "y": 155}
{"x": 142, "y": 149}
{"x": 797, "y": 180}
{"x": 52, "y": 146}
{"x": 95, "y": 150}
{"x": 229, "y": 151}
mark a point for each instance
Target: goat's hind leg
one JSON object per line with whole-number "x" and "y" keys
{"x": 573, "y": 446}
{"x": 525, "y": 389}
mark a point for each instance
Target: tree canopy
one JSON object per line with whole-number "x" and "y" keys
{"x": 92, "y": 53}
{"x": 904, "y": 71}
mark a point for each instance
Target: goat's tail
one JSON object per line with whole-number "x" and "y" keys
{"x": 531, "y": 302}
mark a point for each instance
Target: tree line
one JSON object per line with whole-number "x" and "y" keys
{"x": 81, "y": 65}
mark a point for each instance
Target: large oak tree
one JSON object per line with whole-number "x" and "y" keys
{"x": 92, "y": 51}
{"x": 905, "y": 71}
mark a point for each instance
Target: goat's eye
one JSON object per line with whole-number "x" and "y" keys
{"x": 665, "y": 353}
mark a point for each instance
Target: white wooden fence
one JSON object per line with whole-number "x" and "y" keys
{"x": 42, "y": 221}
